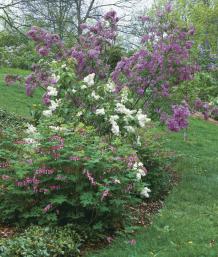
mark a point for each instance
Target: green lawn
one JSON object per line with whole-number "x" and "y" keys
{"x": 188, "y": 224}
{"x": 13, "y": 98}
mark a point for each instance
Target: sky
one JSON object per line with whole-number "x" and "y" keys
{"x": 139, "y": 4}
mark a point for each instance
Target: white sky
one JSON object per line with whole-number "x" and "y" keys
{"x": 140, "y": 4}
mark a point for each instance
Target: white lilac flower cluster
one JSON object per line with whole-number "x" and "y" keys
{"x": 115, "y": 128}
{"x": 120, "y": 111}
{"x": 54, "y": 104}
{"x": 33, "y": 134}
{"x": 145, "y": 192}
{"x": 52, "y": 91}
{"x": 89, "y": 80}
{"x": 138, "y": 167}
{"x": 140, "y": 170}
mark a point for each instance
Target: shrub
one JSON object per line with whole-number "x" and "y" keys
{"x": 41, "y": 242}
{"x": 156, "y": 160}
{"x": 10, "y": 120}
{"x": 16, "y": 51}
{"x": 68, "y": 174}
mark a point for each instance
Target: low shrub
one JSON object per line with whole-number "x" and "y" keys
{"x": 41, "y": 242}
{"x": 10, "y": 120}
{"x": 68, "y": 174}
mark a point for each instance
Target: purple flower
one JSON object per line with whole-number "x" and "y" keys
{"x": 43, "y": 51}
{"x": 140, "y": 91}
{"x": 179, "y": 119}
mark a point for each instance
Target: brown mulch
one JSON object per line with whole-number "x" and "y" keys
{"x": 201, "y": 116}
{"x": 6, "y": 232}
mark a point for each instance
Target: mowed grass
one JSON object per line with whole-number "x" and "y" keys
{"x": 187, "y": 226}
{"x": 13, "y": 98}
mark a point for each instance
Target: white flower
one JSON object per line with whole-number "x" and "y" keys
{"x": 129, "y": 129}
{"x": 141, "y": 173}
{"x": 113, "y": 118}
{"x": 63, "y": 66}
{"x": 54, "y": 105}
{"x": 83, "y": 87}
{"x": 52, "y": 91}
{"x": 138, "y": 166}
{"x": 116, "y": 181}
{"x": 115, "y": 128}
{"x": 31, "y": 141}
{"x": 31, "y": 129}
{"x": 145, "y": 191}
{"x": 100, "y": 111}
{"x": 138, "y": 141}
{"x": 90, "y": 79}
{"x": 56, "y": 78}
{"x": 110, "y": 86}
{"x": 96, "y": 97}
{"x": 138, "y": 176}
{"x": 47, "y": 113}
{"x": 73, "y": 91}
{"x": 57, "y": 128}
{"x": 142, "y": 118}
{"x": 121, "y": 108}
{"x": 124, "y": 95}
{"x": 79, "y": 114}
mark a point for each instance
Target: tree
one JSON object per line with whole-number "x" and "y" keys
{"x": 65, "y": 16}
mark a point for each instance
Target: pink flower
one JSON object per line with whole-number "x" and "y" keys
{"x": 104, "y": 194}
{"x": 5, "y": 177}
{"x": 109, "y": 239}
{"x": 90, "y": 178}
{"x": 74, "y": 158}
{"x": 47, "y": 208}
{"x": 132, "y": 242}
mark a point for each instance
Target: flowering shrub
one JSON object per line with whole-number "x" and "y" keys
{"x": 151, "y": 74}
{"x": 91, "y": 53}
{"x": 81, "y": 162}
{"x": 160, "y": 65}
{"x": 69, "y": 174}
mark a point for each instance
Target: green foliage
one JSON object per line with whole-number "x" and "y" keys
{"x": 114, "y": 55}
{"x": 16, "y": 51}
{"x": 42, "y": 242}
{"x": 10, "y": 120}
{"x": 73, "y": 177}
{"x": 156, "y": 160}
{"x": 204, "y": 86}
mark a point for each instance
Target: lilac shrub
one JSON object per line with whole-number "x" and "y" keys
{"x": 161, "y": 64}
{"x": 91, "y": 50}
{"x": 46, "y": 42}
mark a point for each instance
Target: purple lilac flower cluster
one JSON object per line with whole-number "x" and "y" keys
{"x": 40, "y": 77}
{"x": 45, "y": 41}
{"x": 93, "y": 44}
{"x": 179, "y": 119}
{"x": 163, "y": 60}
